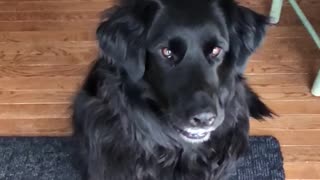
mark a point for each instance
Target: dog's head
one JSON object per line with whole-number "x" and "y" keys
{"x": 190, "y": 53}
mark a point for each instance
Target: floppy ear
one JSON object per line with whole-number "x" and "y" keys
{"x": 246, "y": 31}
{"x": 121, "y": 37}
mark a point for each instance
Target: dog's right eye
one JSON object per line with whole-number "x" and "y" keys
{"x": 216, "y": 51}
{"x": 167, "y": 53}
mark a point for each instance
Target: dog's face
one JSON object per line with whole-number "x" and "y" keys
{"x": 189, "y": 53}
{"x": 184, "y": 54}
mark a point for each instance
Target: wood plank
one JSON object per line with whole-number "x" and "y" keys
{"x": 288, "y": 16}
{"x": 48, "y": 26}
{"x": 303, "y": 154}
{"x": 34, "y": 111}
{"x": 298, "y": 170}
{"x": 290, "y": 96}
{"x": 39, "y": 47}
{"x": 286, "y": 94}
{"x": 291, "y": 137}
{"x": 289, "y": 122}
{"x": 49, "y": 16}
{"x": 279, "y": 80}
{"x": 310, "y": 10}
{"x": 282, "y": 67}
{"x": 40, "y": 83}
{"x": 28, "y": 1}
{"x": 43, "y": 71}
{"x": 53, "y": 48}
{"x": 54, "y": 6}
{"x": 263, "y": 54}
{"x": 251, "y": 3}
{"x": 288, "y": 44}
{"x": 36, "y": 127}
{"x": 289, "y": 31}
{"x": 46, "y": 58}
{"x": 294, "y": 107}
{"x": 284, "y": 90}
{"x": 47, "y": 36}
{"x": 35, "y": 97}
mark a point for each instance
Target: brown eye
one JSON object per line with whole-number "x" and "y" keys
{"x": 167, "y": 53}
{"x": 216, "y": 51}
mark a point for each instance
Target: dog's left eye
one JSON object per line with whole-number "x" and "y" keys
{"x": 167, "y": 53}
{"x": 216, "y": 51}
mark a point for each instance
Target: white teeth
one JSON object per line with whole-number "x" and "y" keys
{"x": 196, "y": 140}
{"x": 195, "y": 131}
{"x": 197, "y": 135}
{"x": 193, "y": 135}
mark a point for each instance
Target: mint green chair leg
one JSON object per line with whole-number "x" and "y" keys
{"x": 316, "y": 85}
{"x": 275, "y": 14}
{"x": 275, "y": 11}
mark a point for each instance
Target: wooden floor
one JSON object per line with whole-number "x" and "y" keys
{"x": 46, "y": 46}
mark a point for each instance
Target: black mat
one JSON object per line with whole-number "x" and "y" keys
{"x": 50, "y": 159}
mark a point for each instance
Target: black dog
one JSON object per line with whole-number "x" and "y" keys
{"x": 165, "y": 99}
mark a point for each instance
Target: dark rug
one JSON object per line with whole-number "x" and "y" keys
{"x": 50, "y": 159}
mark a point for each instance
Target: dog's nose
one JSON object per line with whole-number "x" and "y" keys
{"x": 203, "y": 119}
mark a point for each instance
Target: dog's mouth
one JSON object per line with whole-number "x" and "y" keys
{"x": 194, "y": 135}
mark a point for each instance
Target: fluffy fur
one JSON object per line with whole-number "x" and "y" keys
{"x": 136, "y": 103}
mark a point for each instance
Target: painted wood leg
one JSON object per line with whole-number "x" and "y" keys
{"x": 275, "y": 11}
{"x": 316, "y": 85}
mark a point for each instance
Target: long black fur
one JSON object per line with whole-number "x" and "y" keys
{"x": 125, "y": 113}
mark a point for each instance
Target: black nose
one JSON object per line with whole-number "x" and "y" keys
{"x": 203, "y": 119}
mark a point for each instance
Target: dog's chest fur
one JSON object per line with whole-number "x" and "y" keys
{"x": 202, "y": 164}
{"x": 190, "y": 168}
